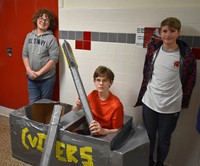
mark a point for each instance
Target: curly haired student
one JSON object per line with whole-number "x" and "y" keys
{"x": 40, "y": 55}
{"x": 169, "y": 76}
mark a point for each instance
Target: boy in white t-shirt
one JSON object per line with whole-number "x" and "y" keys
{"x": 168, "y": 81}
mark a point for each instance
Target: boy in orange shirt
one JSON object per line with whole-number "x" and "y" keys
{"x": 106, "y": 108}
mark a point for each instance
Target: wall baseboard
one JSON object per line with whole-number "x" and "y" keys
{"x": 5, "y": 111}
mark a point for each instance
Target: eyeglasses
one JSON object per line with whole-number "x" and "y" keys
{"x": 43, "y": 20}
{"x": 101, "y": 80}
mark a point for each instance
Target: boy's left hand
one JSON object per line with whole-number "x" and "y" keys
{"x": 95, "y": 128}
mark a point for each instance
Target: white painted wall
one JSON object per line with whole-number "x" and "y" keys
{"x": 119, "y": 4}
{"x": 126, "y": 60}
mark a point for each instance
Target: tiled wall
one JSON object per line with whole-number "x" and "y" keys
{"x": 83, "y": 39}
{"x": 192, "y": 41}
{"x": 107, "y": 37}
{"x": 99, "y": 36}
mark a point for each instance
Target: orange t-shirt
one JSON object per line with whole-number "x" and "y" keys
{"x": 108, "y": 113}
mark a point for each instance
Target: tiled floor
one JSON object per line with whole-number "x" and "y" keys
{"x": 6, "y": 158}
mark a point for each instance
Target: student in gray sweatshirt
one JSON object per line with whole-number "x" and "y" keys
{"x": 40, "y": 55}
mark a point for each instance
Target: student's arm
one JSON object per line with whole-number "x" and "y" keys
{"x": 190, "y": 75}
{"x": 29, "y": 71}
{"x": 45, "y": 68}
{"x": 96, "y": 129}
{"x": 77, "y": 105}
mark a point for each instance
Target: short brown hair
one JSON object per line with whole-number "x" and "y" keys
{"x": 172, "y": 22}
{"x": 49, "y": 14}
{"x": 103, "y": 71}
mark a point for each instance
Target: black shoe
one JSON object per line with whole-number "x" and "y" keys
{"x": 159, "y": 164}
{"x": 152, "y": 163}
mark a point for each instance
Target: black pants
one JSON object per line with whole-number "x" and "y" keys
{"x": 163, "y": 125}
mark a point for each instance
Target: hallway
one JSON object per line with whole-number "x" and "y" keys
{"x": 6, "y": 158}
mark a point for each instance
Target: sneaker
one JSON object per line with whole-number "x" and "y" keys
{"x": 159, "y": 164}
{"x": 151, "y": 163}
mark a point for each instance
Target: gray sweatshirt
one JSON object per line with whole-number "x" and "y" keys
{"x": 41, "y": 49}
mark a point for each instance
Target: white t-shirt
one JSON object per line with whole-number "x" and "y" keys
{"x": 164, "y": 90}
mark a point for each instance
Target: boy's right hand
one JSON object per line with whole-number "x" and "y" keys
{"x": 77, "y": 105}
{"x": 78, "y": 102}
{"x": 32, "y": 74}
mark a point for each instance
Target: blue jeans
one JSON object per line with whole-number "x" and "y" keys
{"x": 39, "y": 89}
{"x": 163, "y": 125}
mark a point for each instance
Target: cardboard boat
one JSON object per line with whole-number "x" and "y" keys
{"x": 29, "y": 127}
